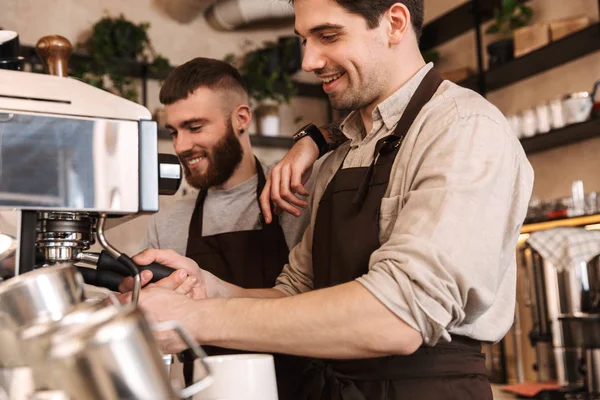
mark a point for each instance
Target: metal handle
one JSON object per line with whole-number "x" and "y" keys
{"x": 202, "y": 384}
{"x": 55, "y": 51}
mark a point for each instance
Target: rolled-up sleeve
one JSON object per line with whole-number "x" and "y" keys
{"x": 451, "y": 238}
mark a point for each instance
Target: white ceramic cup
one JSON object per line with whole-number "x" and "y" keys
{"x": 542, "y": 113}
{"x": 528, "y": 123}
{"x": 241, "y": 377}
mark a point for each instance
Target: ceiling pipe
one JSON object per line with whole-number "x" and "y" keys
{"x": 231, "y": 14}
{"x": 183, "y": 11}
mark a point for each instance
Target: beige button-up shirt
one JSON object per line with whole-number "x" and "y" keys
{"x": 449, "y": 220}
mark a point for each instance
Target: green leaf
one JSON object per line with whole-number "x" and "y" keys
{"x": 492, "y": 29}
{"x": 527, "y": 12}
{"x": 508, "y": 6}
{"x": 113, "y": 41}
{"x": 497, "y": 14}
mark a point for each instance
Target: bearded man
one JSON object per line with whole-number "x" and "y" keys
{"x": 222, "y": 229}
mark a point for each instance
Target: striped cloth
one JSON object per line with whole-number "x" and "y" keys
{"x": 566, "y": 247}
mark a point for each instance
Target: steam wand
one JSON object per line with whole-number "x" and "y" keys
{"x": 123, "y": 258}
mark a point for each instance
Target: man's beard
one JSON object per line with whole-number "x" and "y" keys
{"x": 222, "y": 162}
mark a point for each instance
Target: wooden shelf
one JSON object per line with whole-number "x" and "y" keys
{"x": 562, "y": 51}
{"x": 455, "y": 23}
{"x": 129, "y": 68}
{"x": 576, "y": 221}
{"x": 560, "y": 137}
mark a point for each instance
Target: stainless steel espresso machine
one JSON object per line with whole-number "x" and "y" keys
{"x": 563, "y": 270}
{"x": 75, "y": 160}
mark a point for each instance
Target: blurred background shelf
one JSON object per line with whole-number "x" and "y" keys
{"x": 456, "y": 22}
{"x": 575, "y": 221}
{"x": 567, "y": 49}
{"x": 560, "y": 137}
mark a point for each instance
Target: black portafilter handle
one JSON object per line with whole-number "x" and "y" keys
{"x": 105, "y": 279}
{"x": 123, "y": 266}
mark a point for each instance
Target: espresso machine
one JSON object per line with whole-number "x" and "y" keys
{"x": 76, "y": 160}
{"x": 563, "y": 276}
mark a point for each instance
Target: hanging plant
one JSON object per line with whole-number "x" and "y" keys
{"x": 113, "y": 44}
{"x": 268, "y": 70}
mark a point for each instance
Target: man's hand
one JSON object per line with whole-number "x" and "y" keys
{"x": 287, "y": 179}
{"x": 160, "y": 304}
{"x": 188, "y": 274}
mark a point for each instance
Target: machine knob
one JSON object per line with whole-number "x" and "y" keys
{"x": 55, "y": 51}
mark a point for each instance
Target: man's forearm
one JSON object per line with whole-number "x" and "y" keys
{"x": 228, "y": 290}
{"x": 344, "y": 321}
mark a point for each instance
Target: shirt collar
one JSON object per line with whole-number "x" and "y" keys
{"x": 389, "y": 111}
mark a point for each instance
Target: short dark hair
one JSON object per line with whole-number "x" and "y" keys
{"x": 372, "y": 10}
{"x": 200, "y": 72}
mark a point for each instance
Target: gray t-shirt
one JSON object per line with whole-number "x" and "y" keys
{"x": 231, "y": 210}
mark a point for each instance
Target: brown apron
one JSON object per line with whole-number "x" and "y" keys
{"x": 250, "y": 259}
{"x": 345, "y": 235}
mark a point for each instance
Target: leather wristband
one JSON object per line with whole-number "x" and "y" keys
{"x": 316, "y": 135}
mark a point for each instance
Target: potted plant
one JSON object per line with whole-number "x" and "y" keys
{"x": 268, "y": 72}
{"x": 113, "y": 44}
{"x": 511, "y": 15}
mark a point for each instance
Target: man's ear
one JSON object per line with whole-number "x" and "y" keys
{"x": 398, "y": 19}
{"x": 241, "y": 118}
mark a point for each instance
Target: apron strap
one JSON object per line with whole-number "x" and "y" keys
{"x": 392, "y": 143}
{"x": 262, "y": 181}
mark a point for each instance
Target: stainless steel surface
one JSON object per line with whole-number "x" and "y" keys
{"x": 8, "y": 246}
{"x": 148, "y": 166}
{"x": 87, "y": 258}
{"x": 37, "y": 297}
{"x": 42, "y": 295}
{"x": 581, "y": 330}
{"x": 568, "y": 363}
{"x": 168, "y": 359}
{"x": 62, "y": 235}
{"x": 102, "y": 239}
{"x": 37, "y": 339}
{"x": 8, "y": 252}
{"x": 33, "y": 342}
{"x": 71, "y": 164}
{"x": 566, "y": 315}
{"x": 113, "y": 356}
{"x": 70, "y": 152}
{"x": 577, "y": 107}
{"x": 579, "y": 288}
{"x": 592, "y": 357}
